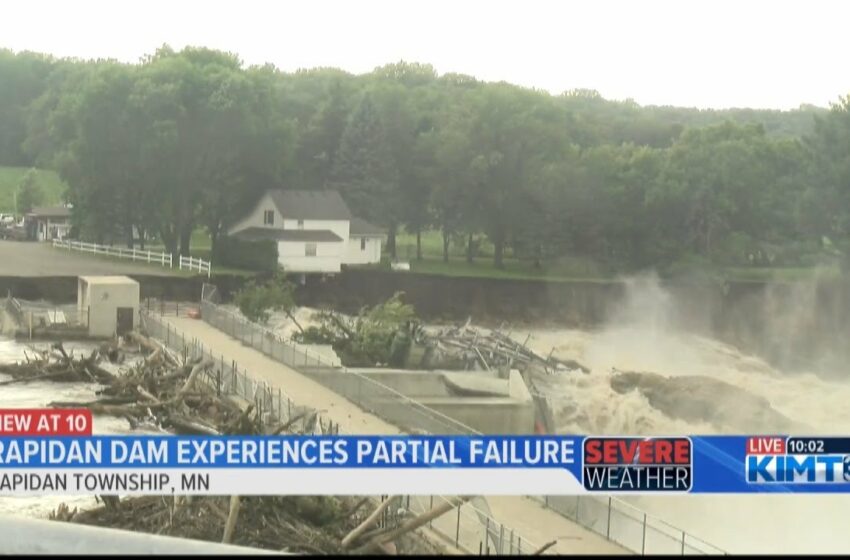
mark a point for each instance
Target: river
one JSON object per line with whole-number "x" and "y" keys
{"x": 643, "y": 336}
{"x": 39, "y": 394}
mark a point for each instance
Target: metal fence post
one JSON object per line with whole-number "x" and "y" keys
{"x": 457, "y": 532}
{"x": 643, "y": 544}
{"x": 279, "y": 405}
{"x": 608, "y": 529}
{"x": 487, "y": 538}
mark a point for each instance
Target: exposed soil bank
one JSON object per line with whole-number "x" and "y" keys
{"x": 799, "y": 324}
{"x": 63, "y": 289}
{"x": 795, "y": 324}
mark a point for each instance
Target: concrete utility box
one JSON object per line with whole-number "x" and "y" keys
{"x": 111, "y": 304}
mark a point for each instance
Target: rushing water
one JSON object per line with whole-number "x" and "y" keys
{"x": 643, "y": 337}
{"x": 39, "y": 394}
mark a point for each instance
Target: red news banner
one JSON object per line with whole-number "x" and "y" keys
{"x": 41, "y": 422}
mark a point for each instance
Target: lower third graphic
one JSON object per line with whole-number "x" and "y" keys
{"x": 637, "y": 464}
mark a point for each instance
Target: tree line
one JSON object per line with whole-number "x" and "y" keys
{"x": 193, "y": 137}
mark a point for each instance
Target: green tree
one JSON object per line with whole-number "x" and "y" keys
{"x": 365, "y": 172}
{"x": 29, "y": 193}
{"x": 257, "y": 301}
{"x": 829, "y": 201}
{"x": 23, "y": 78}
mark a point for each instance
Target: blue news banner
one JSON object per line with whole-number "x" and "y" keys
{"x": 471, "y": 465}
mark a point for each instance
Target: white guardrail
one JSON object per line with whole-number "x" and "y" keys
{"x": 191, "y": 263}
{"x": 136, "y": 255}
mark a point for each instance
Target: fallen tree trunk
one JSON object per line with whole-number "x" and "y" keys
{"x": 377, "y": 542}
{"x": 368, "y": 522}
{"x": 232, "y": 518}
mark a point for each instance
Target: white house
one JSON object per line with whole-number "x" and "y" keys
{"x": 314, "y": 231}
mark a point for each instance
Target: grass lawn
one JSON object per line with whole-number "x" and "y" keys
{"x": 10, "y": 177}
{"x": 432, "y": 246}
{"x": 514, "y": 269}
{"x": 786, "y": 274}
{"x": 565, "y": 269}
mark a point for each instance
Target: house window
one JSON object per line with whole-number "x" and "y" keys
{"x": 268, "y": 217}
{"x": 362, "y": 243}
{"x": 310, "y": 250}
{"x": 300, "y": 224}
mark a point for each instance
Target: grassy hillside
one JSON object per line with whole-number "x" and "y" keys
{"x": 10, "y": 178}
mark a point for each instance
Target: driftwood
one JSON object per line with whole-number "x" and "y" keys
{"x": 232, "y": 517}
{"x": 474, "y": 348}
{"x": 153, "y": 345}
{"x": 376, "y": 543}
{"x": 356, "y": 507}
{"x": 159, "y": 394}
{"x": 193, "y": 375}
{"x": 368, "y": 522}
{"x": 544, "y": 548}
{"x": 60, "y": 368}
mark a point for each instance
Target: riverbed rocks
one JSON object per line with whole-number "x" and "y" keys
{"x": 699, "y": 398}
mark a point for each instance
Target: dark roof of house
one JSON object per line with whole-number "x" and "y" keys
{"x": 258, "y": 233}
{"x": 363, "y": 228}
{"x": 50, "y": 212}
{"x": 310, "y": 205}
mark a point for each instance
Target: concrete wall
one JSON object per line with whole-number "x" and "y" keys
{"x": 413, "y": 384}
{"x": 291, "y": 255}
{"x": 489, "y": 415}
{"x": 357, "y": 254}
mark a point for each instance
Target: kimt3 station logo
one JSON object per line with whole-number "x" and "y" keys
{"x": 796, "y": 460}
{"x": 631, "y": 464}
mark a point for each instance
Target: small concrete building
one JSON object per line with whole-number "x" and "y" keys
{"x": 110, "y": 303}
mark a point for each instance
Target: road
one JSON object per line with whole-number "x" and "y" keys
{"x": 31, "y": 258}
{"x": 526, "y": 516}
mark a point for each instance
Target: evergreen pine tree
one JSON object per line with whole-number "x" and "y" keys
{"x": 364, "y": 172}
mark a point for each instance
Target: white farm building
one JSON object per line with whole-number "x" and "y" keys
{"x": 314, "y": 231}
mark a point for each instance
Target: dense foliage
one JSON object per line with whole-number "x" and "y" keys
{"x": 257, "y": 300}
{"x": 378, "y": 335}
{"x": 191, "y": 138}
{"x": 249, "y": 255}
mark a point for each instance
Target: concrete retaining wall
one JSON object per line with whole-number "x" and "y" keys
{"x": 511, "y": 414}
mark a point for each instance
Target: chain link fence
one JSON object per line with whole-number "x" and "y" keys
{"x": 402, "y": 411}
{"x": 475, "y": 531}
{"x": 467, "y": 528}
{"x": 627, "y": 525}
{"x": 225, "y": 377}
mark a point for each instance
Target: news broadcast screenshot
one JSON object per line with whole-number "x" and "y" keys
{"x": 407, "y": 277}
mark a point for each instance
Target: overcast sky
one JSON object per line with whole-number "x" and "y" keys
{"x": 715, "y": 53}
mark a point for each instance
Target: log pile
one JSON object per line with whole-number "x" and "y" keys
{"x": 482, "y": 349}
{"x": 56, "y": 365}
{"x": 163, "y": 392}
